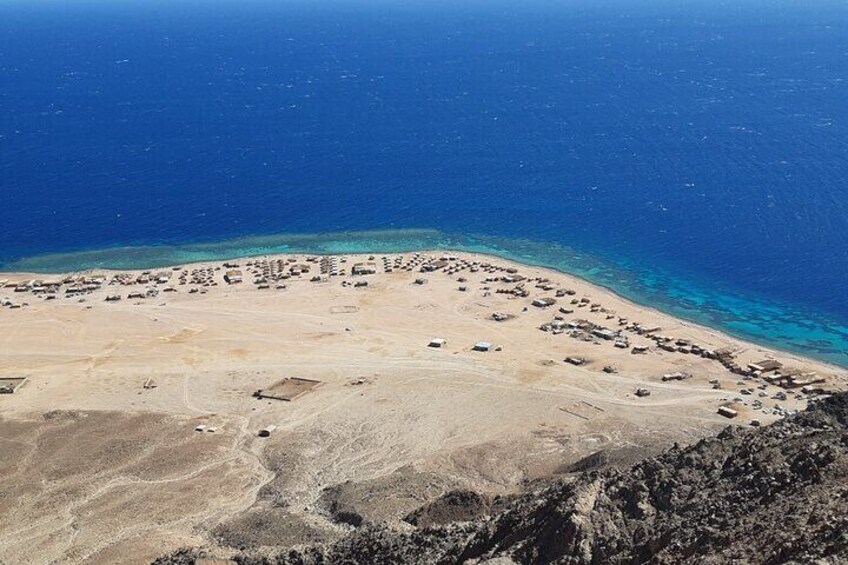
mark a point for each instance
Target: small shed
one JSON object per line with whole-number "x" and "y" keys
{"x": 727, "y": 412}
{"x": 267, "y": 431}
{"x": 677, "y": 376}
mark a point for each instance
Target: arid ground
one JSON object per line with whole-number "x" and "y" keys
{"x": 98, "y": 468}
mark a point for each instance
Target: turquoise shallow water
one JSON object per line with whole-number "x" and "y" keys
{"x": 758, "y": 319}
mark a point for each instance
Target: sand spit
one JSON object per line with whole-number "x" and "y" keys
{"x": 136, "y": 430}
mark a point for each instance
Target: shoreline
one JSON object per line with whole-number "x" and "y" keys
{"x": 427, "y": 240}
{"x": 717, "y": 333}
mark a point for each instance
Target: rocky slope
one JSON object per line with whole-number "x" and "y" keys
{"x": 770, "y": 495}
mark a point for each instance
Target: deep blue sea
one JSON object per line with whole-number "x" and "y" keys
{"x": 691, "y": 155}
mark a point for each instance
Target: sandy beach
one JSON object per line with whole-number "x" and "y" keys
{"x": 134, "y": 423}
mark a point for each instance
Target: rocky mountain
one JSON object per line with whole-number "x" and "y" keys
{"x": 777, "y": 494}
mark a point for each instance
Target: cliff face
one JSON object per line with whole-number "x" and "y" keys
{"x": 770, "y": 495}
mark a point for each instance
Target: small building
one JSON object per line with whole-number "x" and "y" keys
{"x": 434, "y": 266}
{"x": 364, "y": 269}
{"x": 727, "y": 412}
{"x": 604, "y": 333}
{"x": 482, "y": 346}
{"x": 678, "y": 376}
{"x": 555, "y": 326}
{"x": 233, "y": 276}
{"x": 438, "y": 342}
{"x": 544, "y": 302}
{"x": 267, "y": 431}
{"x": 580, "y": 325}
{"x": 765, "y": 365}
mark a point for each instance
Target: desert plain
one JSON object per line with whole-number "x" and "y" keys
{"x": 137, "y": 428}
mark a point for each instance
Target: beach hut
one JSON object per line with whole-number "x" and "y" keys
{"x": 765, "y": 365}
{"x": 364, "y": 269}
{"x": 233, "y": 276}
